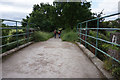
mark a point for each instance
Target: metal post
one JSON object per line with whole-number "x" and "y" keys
{"x": 0, "y": 36}
{"x": 80, "y": 32}
{"x": 77, "y": 30}
{"x": 86, "y": 34}
{"x": 97, "y": 37}
{"x": 17, "y": 34}
{"x": 27, "y": 33}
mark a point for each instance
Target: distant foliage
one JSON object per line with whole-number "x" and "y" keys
{"x": 112, "y": 23}
{"x": 48, "y": 17}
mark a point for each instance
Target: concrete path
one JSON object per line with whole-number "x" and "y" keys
{"x": 49, "y": 59}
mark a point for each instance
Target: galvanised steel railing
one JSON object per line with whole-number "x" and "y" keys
{"x": 26, "y": 33}
{"x": 80, "y": 29}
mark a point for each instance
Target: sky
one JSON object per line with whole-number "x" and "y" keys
{"x": 18, "y": 9}
{"x": 109, "y": 6}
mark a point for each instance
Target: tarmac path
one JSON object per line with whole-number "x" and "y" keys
{"x": 50, "y": 59}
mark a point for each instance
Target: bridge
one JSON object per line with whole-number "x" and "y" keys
{"x": 54, "y": 58}
{"x": 50, "y": 59}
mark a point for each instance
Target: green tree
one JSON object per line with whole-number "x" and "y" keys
{"x": 70, "y": 13}
{"x": 48, "y": 17}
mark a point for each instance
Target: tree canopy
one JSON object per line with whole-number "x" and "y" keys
{"x": 48, "y": 17}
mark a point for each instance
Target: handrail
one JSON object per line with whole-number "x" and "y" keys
{"x": 26, "y": 33}
{"x": 100, "y": 18}
{"x": 80, "y": 29}
{"x": 100, "y": 28}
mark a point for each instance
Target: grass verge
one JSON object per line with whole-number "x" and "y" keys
{"x": 42, "y": 36}
{"x": 70, "y": 36}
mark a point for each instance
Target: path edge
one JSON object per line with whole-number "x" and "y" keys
{"x": 97, "y": 62}
{"x": 15, "y": 49}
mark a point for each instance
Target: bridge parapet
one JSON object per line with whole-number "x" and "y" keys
{"x": 84, "y": 31}
{"x": 14, "y": 35}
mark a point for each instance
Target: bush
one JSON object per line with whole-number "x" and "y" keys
{"x": 106, "y": 47}
{"x": 108, "y": 65}
{"x": 116, "y": 73}
{"x": 113, "y": 67}
{"x": 42, "y": 36}
{"x": 69, "y": 36}
{"x": 100, "y": 35}
{"x": 100, "y": 43}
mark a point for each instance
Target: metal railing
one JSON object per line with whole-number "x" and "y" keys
{"x": 84, "y": 26}
{"x": 26, "y": 34}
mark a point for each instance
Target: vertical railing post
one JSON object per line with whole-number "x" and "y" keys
{"x": 77, "y": 30}
{"x": 80, "y": 32}
{"x": 97, "y": 37}
{"x": 27, "y": 33}
{"x": 1, "y": 36}
{"x": 17, "y": 34}
{"x": 86, "y": 34}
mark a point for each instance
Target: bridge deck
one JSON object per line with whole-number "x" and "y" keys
{"x": 52, "y": 58}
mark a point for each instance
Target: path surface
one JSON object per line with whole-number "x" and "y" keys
{"x": 49, "y": 59}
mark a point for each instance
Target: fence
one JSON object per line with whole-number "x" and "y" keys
{"x": 20, "y": 35}
{"x": 83, "y": 26}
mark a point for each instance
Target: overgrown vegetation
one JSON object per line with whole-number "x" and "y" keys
{"x": 37, "y": 36}
{"x": 109, "y": 64}
{"x": 42, "y": 36}
{"x": 101, "y": 45}
{"x": 8, "y": 40}
{"x": 112, "y": 67}
{"x": 69, "y": 35}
